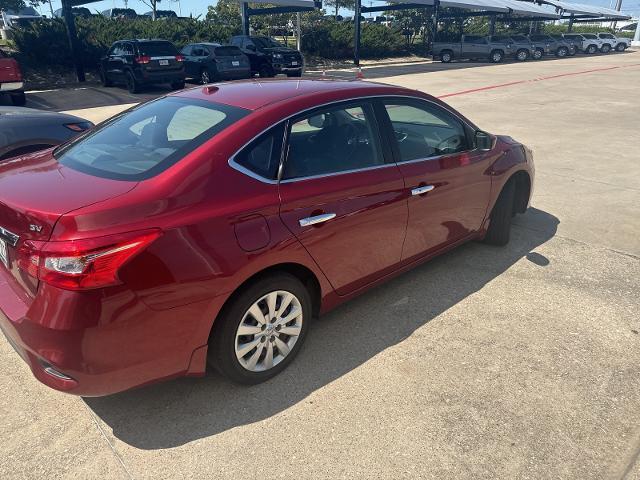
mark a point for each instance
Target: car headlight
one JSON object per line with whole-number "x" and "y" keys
{"x": 277, "y": 55}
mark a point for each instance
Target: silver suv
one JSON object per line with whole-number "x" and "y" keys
{"x": 611, "y": 42}
{"x": 586, "y": 42}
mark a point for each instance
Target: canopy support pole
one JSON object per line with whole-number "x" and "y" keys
{"x": 570, "y": 28}
{"x": 244, "y": 11}
{"x": 492, "y": 25}
{"x": 356, "y": 45}
{"x": 436, "y": 14}
{"x": 72, "y": 36}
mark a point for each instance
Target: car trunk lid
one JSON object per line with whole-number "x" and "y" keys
{"x": 9, "y": 70}
{"x": 35, "y": 191}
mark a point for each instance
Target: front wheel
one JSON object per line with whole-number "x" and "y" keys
{"x": 499, "y": 229}
{"x": 538, "y": 53}
{"x": 265, "y": 71}
{"x": 606, "y": 48}
{"x": 262, "y": 330}
{"x": 205, "y": 76}
{"x": 621, "y": 47}
{"x": 522, "y": 55}
{"x": 591, "y": 49}
{"x": 497, "y": 56}
{"x": 562, "y": 52}
{"x": 446, "y": 57}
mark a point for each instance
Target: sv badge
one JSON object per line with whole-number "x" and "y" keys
{"x": 35, "y": 228}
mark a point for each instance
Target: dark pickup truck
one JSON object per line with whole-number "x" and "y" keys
{"x": 471, "y": 47}
{"x": 268, "y": 57}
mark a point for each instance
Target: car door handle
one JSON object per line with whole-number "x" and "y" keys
{"x": 422, "y": 190}
{"x": 325, "y": 217}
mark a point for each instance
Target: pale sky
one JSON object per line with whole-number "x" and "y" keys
{"x": 199, "y": 7}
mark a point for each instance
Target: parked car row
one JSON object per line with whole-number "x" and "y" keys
{"x": 137, "y": 63}
{"x": 524, "y": 47}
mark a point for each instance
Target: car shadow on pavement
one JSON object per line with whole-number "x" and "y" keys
{"x": 173, "y": 413}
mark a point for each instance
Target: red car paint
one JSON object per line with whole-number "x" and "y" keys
{"x": 9, "y": 70}
{"x": 217, "y": 228}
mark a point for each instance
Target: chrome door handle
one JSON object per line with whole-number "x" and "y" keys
{"x": 422, "y": 190}
{"x": 325, "y": 217}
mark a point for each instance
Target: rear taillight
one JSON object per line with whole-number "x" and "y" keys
{"x": 82, "y": 264}
{"x": 179, "y": 58}
{"x": 143, "y": 59}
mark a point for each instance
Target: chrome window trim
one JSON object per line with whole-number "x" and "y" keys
{"x": 236, "y": 166}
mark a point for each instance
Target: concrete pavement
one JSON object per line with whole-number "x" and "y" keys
{"x": 516, "y": 362}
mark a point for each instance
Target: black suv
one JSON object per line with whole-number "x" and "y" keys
{"x": 136, "y": 63}
{"x": 268, "y": 57}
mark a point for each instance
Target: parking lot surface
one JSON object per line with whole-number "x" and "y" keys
{"x": 515, "y": 362}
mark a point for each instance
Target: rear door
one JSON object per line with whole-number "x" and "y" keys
{"x": 447, "y": 184}
{"x": 340, "y": 195}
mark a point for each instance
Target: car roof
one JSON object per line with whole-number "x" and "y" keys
{"x": 255, "y": 94}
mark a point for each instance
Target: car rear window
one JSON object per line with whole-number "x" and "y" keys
{"x": 227, "y": 51}
{"x": 157, "y": 49}
{"x": 145, "y": 141}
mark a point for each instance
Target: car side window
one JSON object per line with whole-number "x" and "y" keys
{"x": 423, "y": 131}
{"x": 186, "y": 51}
{"x": 333, "y": 140}
{"x": 262, "y": 155}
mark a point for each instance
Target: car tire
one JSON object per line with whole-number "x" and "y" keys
{"x": 177, "y": 85}
{"x": 591, "y": 49}
{"x": 499, "y": 230}
{"x": 225, "y": 345}
{"x": 104, "y": 79}
{"x": 538, "y": 53}
{"x": 446, "y": 56}
{"x": 205, "y": 76}
{"x": 496, "y": 56}
{"x": 621, "y": 47}
{"x": 266, "y": 71}
{"x": 562, "y": 52}
{"x": 131, "y": 82}
{"x": 522, "y": 55}
{"x": 606, "y": 48}
{"x": 19, "y": 99}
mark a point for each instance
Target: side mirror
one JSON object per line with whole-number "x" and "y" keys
{"x": 483, "y": 141}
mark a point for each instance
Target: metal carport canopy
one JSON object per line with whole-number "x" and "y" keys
{"x": 580, "y": 9}
{"x": 282, "y": 3}
{"x": 513, "y": 7}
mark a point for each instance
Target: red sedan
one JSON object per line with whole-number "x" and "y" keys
{"x": 212, "y": 225}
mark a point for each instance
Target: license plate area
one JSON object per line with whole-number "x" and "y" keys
{"x": 294, "y": 63}
{"x": 163, "y": 63}
{"x": 4, "y": 254}
{"x": 235, "y": 63}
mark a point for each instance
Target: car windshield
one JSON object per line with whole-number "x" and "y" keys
{"x": 157, "y": 49}
{"x": 145, "y": 141}
{"x": 266, "y": 42}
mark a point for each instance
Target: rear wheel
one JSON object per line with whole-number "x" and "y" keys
{"x": 265, "y": 71}
{"x": 522, "y": 55}
{"x": 499, "y": 229}
{"x": 496, "y": 56}
{"x": 262, "y": 330}
{"x": 205, "y": 76}
{"x": 606, "y": 48}
{"x": 19, "y": 99}
{"x": 538, "y": 53}
{"x": 446, "y": 56}
{"x": 132, "y": 84}
{"x": 591, "y": 49}
{"x": 562, "y": 52}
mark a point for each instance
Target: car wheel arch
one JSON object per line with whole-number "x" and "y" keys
{"x": 303, "y": 273}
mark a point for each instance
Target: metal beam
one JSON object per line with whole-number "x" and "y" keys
{"x": 72, "y": 36}
{"x": 357, "y": 25}
{"x": 278, "y": 10}
{"x": 390, "y": 8}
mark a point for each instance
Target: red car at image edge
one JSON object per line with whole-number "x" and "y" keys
{"x": 210, "y": 226}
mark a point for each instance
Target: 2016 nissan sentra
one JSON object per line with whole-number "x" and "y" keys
{"x": 212, "y": 225}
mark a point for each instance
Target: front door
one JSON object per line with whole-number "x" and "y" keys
{"x": 342, "y": 197}
{"x": 447, "y": 184}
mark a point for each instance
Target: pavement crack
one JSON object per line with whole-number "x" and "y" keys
{"x": 106, "y": 439}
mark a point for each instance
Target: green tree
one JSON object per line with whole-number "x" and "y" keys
{"x": 225, "y": 13}
{"x": 153, "y": 5}
{"x": 338, "y": 4}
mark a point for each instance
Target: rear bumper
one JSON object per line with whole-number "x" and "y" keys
{"x": 12, "y": 87}
{"x": 235, "y": 74}
{"x": 160, "y": 77}
{"x": 287, "y": 68}
{"x": 80, "y": 345}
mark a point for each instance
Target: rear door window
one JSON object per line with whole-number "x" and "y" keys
{"x": 145, "y": 141}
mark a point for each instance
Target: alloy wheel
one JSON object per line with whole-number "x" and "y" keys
{"x": 522, "y": 55}
{"x": 204, "y": 77}
{"x": 268, "y": 331}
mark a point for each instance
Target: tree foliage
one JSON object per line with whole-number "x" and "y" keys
{"x": 338, "y": 4}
